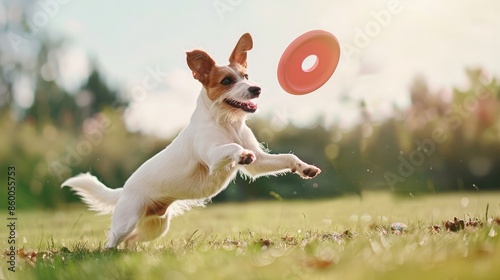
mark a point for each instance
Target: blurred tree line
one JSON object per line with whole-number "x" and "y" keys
{"x": 432, "y": 146}
{"x": 436, "y": 144}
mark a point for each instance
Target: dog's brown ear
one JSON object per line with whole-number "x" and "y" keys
{"x": 239, "y": 54}
{"x": 200, "y": 63}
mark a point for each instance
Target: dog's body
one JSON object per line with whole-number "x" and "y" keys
{"x": 199, "y": 163}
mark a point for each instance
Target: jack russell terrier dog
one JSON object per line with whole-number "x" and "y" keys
{"x": 199, "y": 163}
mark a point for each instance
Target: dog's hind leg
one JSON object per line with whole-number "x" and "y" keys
{"x": 154, "y": 223}
{"x": 126, "y": 215}
{"x": 149, "y": 228}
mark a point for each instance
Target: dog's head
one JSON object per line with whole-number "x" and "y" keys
{"x": 228, "y": 86}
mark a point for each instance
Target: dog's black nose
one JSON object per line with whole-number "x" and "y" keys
{"x": 255, "y": 91}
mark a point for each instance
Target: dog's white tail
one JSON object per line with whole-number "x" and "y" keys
{"x": 99, "y": 197}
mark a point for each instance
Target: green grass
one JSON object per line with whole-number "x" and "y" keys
{"x": 344, "y": 238}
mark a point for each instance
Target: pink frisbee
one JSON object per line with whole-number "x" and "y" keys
{"x": 291, "y": 75}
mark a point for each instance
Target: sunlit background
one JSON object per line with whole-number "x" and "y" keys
{"x": 73, "y": 98}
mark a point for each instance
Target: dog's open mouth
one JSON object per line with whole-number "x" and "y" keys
{"x": 247, "y": 106}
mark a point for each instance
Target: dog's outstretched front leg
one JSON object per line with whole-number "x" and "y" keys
{"x": 269, "y": 164}
{"x": 228, "y": 155}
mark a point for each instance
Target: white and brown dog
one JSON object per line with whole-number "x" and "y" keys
{"x": 199, "y": 163}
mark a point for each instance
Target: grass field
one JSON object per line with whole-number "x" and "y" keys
{"x": 344, "y": 238}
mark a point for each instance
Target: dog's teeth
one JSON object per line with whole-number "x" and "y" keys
{"x": 242, "y": 105}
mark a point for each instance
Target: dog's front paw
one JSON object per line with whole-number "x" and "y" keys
{"x": 307, "y": 171}
{"x": 311, "y": 172}
{"x": 246, "y": 157}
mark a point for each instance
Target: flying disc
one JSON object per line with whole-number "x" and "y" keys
{"x": 319, "y": 43}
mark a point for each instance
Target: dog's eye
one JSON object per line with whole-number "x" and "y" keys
{"x": 245, "y": 76}
{"x": 227, "y": 81}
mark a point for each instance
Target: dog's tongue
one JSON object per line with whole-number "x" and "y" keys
{"x": 249, "y": 105}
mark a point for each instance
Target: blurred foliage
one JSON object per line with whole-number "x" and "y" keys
{"x": 465, "y": 157}
{"x": 443, "y": 141}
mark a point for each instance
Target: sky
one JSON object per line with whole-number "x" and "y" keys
{"x": 385, "y": 44}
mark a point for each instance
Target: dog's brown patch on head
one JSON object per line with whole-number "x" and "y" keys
{"x": 215, "y": 79}
{"x": 158, "y": 207}
{"x": 211, "y": 76}
{"x": 221, "y": 80}
{"x": 240, "y": 69}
